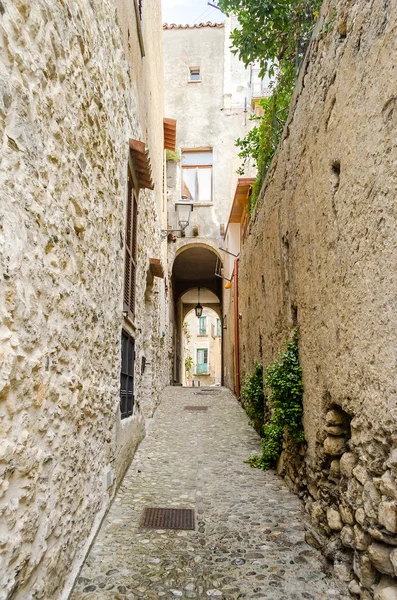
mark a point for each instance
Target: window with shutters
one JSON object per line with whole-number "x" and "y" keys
{"x": 197, "y": 175}
{"x": 202, "y": 361}
{"x": 130, "y": 249}
{"x": 202, "y": 326}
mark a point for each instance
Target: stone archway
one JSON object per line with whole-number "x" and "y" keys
{"x": 196, "y": 265}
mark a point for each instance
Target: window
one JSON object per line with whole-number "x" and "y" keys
{"x": 202, "y": 325}
{"x": 197, "y": 175}
{"x": 130, "y": 248}
{"x": 127, "y": 375}
{"x": 218, "y": 327}
{"x": 194, "y": 74}
{"x": 202, "y": 361}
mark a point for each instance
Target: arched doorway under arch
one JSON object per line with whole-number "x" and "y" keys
{"x": 196, "y": 266}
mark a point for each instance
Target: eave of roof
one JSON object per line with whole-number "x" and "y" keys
{"x": 187, "y": 26}
{"x": 170, "y": 134}
{"x": 141, "y": 162}
{"x": 241, "y": 199}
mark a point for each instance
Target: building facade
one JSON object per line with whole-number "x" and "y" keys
{"x": 210, "y": 93}
{"x": 84, "y": 279}
{"x": 202, "y": 351}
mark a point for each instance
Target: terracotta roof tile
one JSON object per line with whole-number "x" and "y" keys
{"x": 197, "y": 26}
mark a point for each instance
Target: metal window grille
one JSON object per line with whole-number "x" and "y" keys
{"x": 127, "y": 375}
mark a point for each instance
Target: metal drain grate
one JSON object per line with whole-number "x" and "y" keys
{"x": 197, "y": 408}
{"x": 167, "y": 518}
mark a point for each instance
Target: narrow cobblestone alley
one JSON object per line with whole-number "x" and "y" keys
{"x": 249, "y": 538}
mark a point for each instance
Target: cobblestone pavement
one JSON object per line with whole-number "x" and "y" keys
{"x": 249, "y": 537}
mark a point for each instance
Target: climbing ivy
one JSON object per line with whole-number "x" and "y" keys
{"x": 284, "y": 380}
{"x": 253, "y": 397}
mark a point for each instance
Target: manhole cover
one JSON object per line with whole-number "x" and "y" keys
{"x": 167, "y": 518}
{"x": 201, "y": 393}
{"x": 198, "y": 408}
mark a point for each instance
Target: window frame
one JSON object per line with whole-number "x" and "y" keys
{"x": 205, "y": 355}
{"x": 202, "y": 330}
{"x": 218, "y": 327}
{"x": 192, "y": 70}
{"x": 196, "y": 168}
{"x": 127, "y": 375}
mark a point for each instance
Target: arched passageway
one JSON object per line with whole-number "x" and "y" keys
{"x": 197, "y": 267}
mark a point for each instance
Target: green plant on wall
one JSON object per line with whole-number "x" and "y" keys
{"x": 284, "y": 380}
{"x": 188, "y": 356}
{"x": 188, "y": 365}
{"x": 253, "y": 398}
{"x": 171, "y": 155}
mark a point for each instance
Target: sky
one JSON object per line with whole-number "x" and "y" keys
{"x": 190, "y": 12}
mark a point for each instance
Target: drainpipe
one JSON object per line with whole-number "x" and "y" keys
{"x": 236, "y": 332}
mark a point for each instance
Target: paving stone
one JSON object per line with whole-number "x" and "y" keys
{"x": 249, "y": 537}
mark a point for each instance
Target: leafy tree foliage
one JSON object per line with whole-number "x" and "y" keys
{"x": 273, "y": 34}
{"x": 271, "y": 31}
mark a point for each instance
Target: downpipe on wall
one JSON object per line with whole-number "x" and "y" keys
{"x": 236, "y": 332}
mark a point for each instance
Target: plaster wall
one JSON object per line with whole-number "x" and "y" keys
{"x": 321, "y": 253}
{"x": 74, "y": 89}
{"x": 204, "y": 116}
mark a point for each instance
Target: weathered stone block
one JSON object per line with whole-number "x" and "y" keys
{"x": 393, "y": 558}
{"x": 346, "y": 514}
{"x": 364, "y": 570}
{"x": 379, "y": 555}
{"x": 335, "y": 417}
{"x": 334, "y": 446}
{"x": 347, "y": 536}
{"x": 348, "y": 461}
{"x": 388, "y": 485}
{"x": 360, "y": 473}
{"x": 354, "y": 587}
{"x": 360, "y": 516}
{"x": 387, "y": 516}
{"x": 386, "y": 589}
{"x": 335, "y": 429}
{"x": 361, "y": 538}
{"x": 335, "y": 468}
{"x": 371, "y": 499}
{"x": 334, "y": 519}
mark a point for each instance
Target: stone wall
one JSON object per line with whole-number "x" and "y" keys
{"x": 321, "y": 253}
{"x": 74, "y": 88}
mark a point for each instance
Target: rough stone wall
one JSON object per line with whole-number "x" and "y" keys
{"x": 73, "y": 91}
{"x": 321, "y": 252}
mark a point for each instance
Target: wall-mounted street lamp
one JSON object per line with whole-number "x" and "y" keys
{"x": 198, "y": 309}
{"x": 183, "y": 210}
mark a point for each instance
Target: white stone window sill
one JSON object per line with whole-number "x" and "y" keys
{"x": 200, "y": 204}
{"x": 194, "y": 80}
